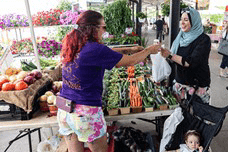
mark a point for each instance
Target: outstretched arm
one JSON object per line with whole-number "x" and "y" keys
{"x": 176, "y": 58}
{"x": 128, "y": 50}
{"x": 128, "y": 60}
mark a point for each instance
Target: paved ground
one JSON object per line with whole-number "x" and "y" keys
{"x": 219, "y": 96}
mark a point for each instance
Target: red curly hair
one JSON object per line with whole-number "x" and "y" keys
{"x": 72, "y": 43}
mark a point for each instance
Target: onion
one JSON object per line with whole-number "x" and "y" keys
{"x": 37, "y": 74}
{"x": 29, "y": 79}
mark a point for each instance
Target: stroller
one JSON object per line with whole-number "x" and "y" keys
{"x": 199, "y": 116}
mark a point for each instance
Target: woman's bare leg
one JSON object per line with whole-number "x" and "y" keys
{"x": 73, "y": 144}
{"x": 99, "y": 145}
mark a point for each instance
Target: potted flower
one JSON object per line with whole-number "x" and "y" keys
{"x": 49, "y": 48}
{"x": 141, "y": 16}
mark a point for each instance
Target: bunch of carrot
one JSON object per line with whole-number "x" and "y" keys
{"x": 131, "y": 71}
{"x": 135, "y": 98}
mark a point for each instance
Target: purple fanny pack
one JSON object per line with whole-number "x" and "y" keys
{"x": 64, "y": 104}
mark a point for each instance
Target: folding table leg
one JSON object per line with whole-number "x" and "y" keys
{"x": 39, "y": 134}
{"x": 29, "y": 139}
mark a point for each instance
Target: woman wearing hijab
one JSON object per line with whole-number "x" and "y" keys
{"x": 224, "y": 63}
{"x": 190, "y": 53}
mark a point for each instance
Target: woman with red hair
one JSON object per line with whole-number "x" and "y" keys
{"x": 84, "y": 60}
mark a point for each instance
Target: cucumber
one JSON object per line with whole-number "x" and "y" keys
{"x": 32, "y": 65}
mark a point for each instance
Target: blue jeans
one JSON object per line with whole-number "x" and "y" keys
{"x": 224, "y": 62}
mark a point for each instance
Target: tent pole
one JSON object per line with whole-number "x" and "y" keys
{"x": 32, "y": 34}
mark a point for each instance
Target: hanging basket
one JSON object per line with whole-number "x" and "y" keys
{"x": 141, "y": 20}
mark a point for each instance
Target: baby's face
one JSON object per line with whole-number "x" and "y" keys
{"x": 193, "y": 142}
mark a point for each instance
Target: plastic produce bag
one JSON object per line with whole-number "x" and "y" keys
{"x": 49, "y": 145}
{"x": 160, "y": 67}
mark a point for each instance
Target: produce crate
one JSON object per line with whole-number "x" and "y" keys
{"x": 113, "y": 112}
{"x": 163, "y": 107}
{"x": 9, "y": 111}
{"x": 55, "y": 74}
{"x": 172, "y": 107}
{"x": 136, "y": 109}
{"x": 149, "y": 109}
{"x": 124, "y": 110}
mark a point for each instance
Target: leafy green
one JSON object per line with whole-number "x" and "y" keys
{"x": 117, "y": 17}
{"x": 64, "y": 5}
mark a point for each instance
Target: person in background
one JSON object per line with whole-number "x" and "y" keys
{"x": 165, "y": 29}
{"x": 190, "y": 54}
{"x": 159, "y": 28}
{"x": 224, "y": 63}
{"x": 84, "y": 59}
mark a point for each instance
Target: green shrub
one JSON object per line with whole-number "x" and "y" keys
{"x": 117, "y": 17}
{"x": 64, "y": 5}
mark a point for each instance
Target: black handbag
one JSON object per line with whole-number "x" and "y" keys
{"x": 223, "y": 46}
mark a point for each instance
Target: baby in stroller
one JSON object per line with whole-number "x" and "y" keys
{"x": 192, "y": 142}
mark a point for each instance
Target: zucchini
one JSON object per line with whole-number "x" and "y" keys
{"x": 32, "y": 65}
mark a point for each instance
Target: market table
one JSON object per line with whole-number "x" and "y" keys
{"x": 41, "y": 119}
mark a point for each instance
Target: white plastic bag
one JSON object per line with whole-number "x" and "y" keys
{"x": 160, "y": 67}
{"x": 170, "y": 127}
{"x": 49, "y": 145}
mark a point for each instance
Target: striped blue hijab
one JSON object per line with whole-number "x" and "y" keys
{"x": 185, "y": 38}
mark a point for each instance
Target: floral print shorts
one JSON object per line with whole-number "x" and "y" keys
{"x": 87, "y": 122}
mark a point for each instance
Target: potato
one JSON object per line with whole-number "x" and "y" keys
{"x": 49, "y": 93}
{"x": 43, "y": 98}
{"x": 51, "y": 99}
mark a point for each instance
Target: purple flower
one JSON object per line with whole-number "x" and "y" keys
{"x": 13, "y": 20}
{"x": 141, "y": 63}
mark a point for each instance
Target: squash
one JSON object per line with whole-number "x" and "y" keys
{"x": 12, "y": 78}
{"x": 43, "y": 98}
{"x": 21, "y": 85}
{"x": 49, "y": 93}
{"x": 58, "y": 84}
{"x": 21, "y": 75}
{"x": 8, "y": 86}
{"x": 12, "y": 71}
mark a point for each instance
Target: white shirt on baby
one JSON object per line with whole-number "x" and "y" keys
{"x": 184, "y": 148}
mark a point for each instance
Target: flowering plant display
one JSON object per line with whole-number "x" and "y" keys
{"x": 22, "y": 46}
{"x": 122, "y": 39}
{"x": 13, "y": 20}
{"x": 49, "y": 48}
{"x": 69, "y": 17}
{"x": 47, "y": 18}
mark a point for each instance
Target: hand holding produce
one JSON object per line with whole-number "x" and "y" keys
{"x": 154, "y": 48}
